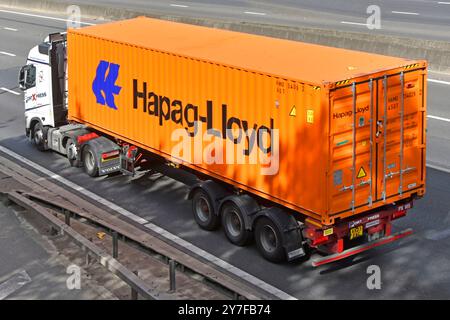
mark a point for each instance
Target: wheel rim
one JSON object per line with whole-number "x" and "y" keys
{"x": 90, "y": 162}
{"x": 269, "y": 239}
{"x": 233, "y": 222}
{"x": 202, "y": 209}
{"x": 71, "y": 151}
{"x": 38, "y": 135}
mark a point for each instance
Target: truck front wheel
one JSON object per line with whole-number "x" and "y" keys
{"x": 39, "y": 136}
{"x": 268, "y": 240}
{"x": 203, "y": 210}
{"x": 234, "y": 224}
{"x": 90, "y": 161}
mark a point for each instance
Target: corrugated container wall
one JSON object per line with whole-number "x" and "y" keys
{"x": 143, "y": 80}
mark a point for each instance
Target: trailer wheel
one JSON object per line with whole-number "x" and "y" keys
{"x": 39, "y": 133}
{"x": 268, "y": 240}
{"x": 234, "y": 224}
{"x": 90, "y": 161}
{"x": 72, "y": 153}
{"x": 203, "y": 210}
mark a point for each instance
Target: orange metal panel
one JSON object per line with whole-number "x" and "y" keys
{"x": 171, "y": 75}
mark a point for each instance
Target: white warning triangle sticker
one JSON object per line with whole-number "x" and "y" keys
{"x": 362, "y": 173}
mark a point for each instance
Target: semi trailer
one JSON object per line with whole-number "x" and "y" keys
{"x": 298, "y": 146}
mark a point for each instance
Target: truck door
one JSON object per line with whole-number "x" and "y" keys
{"x": 352, "y": 146}
{"x": 400, "y": 144}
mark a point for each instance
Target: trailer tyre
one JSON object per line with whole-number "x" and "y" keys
{"x": 234, "y": 225}
{"x": 269, "y": 240}
{"x": 203, "y": 210}
{"x": 90, "y": 161}
{"x": 39, "y": 134}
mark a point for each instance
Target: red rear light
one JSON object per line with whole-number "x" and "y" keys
{"x": 398, "y": 214}
{"x": 111, "y": 154}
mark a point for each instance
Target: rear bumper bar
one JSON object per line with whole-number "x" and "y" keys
{"x": 364, "y": 247}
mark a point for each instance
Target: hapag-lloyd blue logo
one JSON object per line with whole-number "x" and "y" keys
{"x": 104, "y": 86}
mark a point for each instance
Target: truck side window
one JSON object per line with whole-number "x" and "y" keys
{"x": 27, "y": 77}
{"x": 30, "y": 80}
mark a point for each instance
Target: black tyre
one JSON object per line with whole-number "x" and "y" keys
{"x": 72, "y": 153}
{"x": 269, "y": 241}
{"x": 233, "y": 224}
{"x": 39, "y": 136}
{"x": 90, "y": 161}
{"x": 203, "y": 210}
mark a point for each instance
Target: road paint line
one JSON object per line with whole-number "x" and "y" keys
{"x": 443, "y": 2}
{"x": 438, "y": 235}
{"x": 164, "y": 233}
{"x": 10, "y": 29}
{"x": 44, "y": 17}
{"x": 10, "y": 91}
{"x": 13, "y": 284}
{"x": 438, "y": 168}
{"x": 179, "y": 5}
{"x": 404, "y": 12}
{"x": 7, "y": 54}
{"x": 438, "y": 118}
{"x": 255, "y": 13}
{"x": 354, "y": 23}
{"x": 439, "y": 81}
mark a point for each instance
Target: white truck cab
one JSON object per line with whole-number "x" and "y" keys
{"x": 44, "y": 82}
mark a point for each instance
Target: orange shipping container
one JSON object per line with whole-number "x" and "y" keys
{"x": 351, "y": 125}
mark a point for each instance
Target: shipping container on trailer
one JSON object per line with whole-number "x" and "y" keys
{"x": 298, "y": 146}
{"x": 351, "y": 124}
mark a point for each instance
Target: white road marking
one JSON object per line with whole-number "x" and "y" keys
{"x": 443, "y": 2}
{"x": 9, "y": 29}
{"x": 13, "y": 284}
{"x": 255, "y": 13}
{"x": 179, "y": 5}
{"x": 354, "y": 23}
{"x": 438, "y": 118}
{"x": 44, "y": 17}
{"x": 7, "y": 54}
{"x": 10, "y": 91}
{"x": 439, "y": 81}
{"x": 404, "y": 12}
{"x": 164, "y": 233}
{"x": 438, "y": 168}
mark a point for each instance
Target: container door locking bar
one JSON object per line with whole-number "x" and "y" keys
{"x": 384, "y": 135}
{"x": 354, "y": 148}
{"x": 402, "y": 114}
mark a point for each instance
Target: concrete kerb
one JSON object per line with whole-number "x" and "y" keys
{"x": 436, "y": 52}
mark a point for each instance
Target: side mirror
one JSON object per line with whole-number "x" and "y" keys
{"x": 27, "y": 77}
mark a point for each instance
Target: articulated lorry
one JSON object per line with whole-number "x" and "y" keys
{"x": 300, "y": 147}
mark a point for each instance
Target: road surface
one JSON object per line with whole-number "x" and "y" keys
{"x": 425, "y": 19}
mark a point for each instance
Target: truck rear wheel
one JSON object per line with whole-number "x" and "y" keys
{"x": 234, "y": 224}
{"x": 203, "y": 210}
{"x": 268, "y": 240}
{"x": 90, "y": 161}
{"x": 39, "y": 135}
{"x": 71, "y": 151}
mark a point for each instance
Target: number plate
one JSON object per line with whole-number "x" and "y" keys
{"x": 356, "y": 232}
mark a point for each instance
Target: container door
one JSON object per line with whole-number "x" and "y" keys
{"x": 399, "y": 134}
{"x": 353, "y": 176}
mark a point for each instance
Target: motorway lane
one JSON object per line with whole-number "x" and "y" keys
{"x": 425, "y": 19}
{"x": 413, "y": 268}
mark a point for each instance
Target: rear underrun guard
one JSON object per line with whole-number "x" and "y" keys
{"x": 364, "y": 247}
